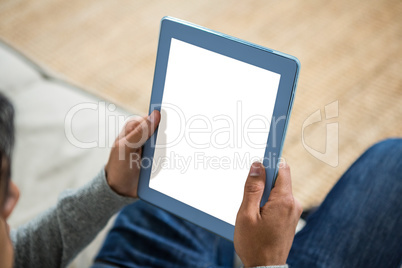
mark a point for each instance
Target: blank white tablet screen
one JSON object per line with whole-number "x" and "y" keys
{"x": 216, "y": 115}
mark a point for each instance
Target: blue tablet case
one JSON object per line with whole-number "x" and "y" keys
{"x": 285, "y": 65}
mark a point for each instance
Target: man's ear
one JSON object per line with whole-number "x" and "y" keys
{"x": 13, "y": 195}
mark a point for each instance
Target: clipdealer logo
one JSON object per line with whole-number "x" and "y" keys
{"x": 331, "y": 154}
{"x": 109, "y": 124}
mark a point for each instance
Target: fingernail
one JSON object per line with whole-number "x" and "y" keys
{"x": 255, "y": 170}
{"x": 151, "y": 117}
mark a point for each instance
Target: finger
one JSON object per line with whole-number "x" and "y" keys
{"x": 283, "y": 184}
{"x": 144, "y": 130}
{"x": 131, "y": 124}
{"x": 254, "y": 189}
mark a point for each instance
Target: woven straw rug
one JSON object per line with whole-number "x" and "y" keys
{"x": 350, "y": 50}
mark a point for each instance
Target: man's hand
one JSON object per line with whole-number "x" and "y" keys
{"x": 123, "y": 167}
{"x": 263, "y": 236}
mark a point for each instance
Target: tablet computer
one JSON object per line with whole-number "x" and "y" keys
{"x": 224, "y": 104}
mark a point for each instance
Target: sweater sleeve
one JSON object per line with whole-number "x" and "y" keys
{"x": 54, "y": 238}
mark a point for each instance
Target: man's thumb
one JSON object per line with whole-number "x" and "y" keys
{"x": 254, "y": 188}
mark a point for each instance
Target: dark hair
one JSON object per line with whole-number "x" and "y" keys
{"x": 6, "y": 144}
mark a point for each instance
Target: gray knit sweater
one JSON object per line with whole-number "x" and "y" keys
{"x": 54, "y": 238}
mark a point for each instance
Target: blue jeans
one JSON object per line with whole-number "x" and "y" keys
{"x": 359, "y": 224}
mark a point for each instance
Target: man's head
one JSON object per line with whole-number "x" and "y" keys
{"x": 6, "y": 145}
{"x": 8, "y": 191}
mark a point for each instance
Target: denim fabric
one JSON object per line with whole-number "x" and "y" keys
{"x": 146, "y": 236}
{"x": 359, "y": 224}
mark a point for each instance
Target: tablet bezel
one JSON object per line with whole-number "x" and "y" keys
{"x": 285, "y": 65}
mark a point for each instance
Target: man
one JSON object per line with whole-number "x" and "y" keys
{"x": 262, "y": 236}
